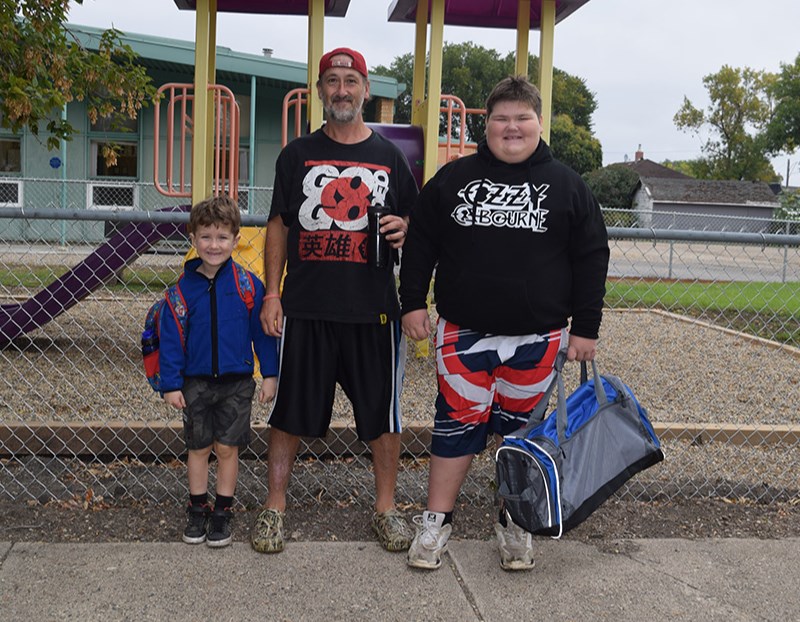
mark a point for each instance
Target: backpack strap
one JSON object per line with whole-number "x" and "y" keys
{"x": 245, "y": 286}
{"x": 177, "y": 304}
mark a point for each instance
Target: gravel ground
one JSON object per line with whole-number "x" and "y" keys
{"x": 85, "y": 367}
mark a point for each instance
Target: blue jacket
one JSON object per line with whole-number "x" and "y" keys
{"x": 220, "y": 336}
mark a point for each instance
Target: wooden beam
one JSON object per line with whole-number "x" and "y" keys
{"x": 165, "y": 440}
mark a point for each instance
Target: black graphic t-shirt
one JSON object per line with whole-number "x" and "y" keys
{"x": 322, "y": 192}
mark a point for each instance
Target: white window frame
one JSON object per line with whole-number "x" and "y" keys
{"x": 90, "y": 204}
{"x": 20, "y": 189}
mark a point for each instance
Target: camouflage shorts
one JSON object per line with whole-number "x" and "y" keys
{"x": 217, "y": 411}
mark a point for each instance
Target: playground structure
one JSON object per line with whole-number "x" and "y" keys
{"x": 209, "y": 133}
{"x": 429, "y": 18}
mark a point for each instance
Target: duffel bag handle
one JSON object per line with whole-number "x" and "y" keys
{"x": 599, "y": 389}
{"x": 538, "y": 413}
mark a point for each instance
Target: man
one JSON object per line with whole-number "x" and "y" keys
{"x": 337, "y": 316}
{"x": 519, "y": 247}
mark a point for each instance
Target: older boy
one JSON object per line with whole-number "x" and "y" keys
{"x": 519, "y": 247}
{"x": 208, "y": 371}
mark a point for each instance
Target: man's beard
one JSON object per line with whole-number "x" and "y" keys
{"x": 346, "y": 115}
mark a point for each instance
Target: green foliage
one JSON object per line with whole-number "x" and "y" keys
{"x": 736, "y": 120}
{"x": 783, "y": 131}
{"x": 693, "y": 168}
{"x": 789, "y": 209}
{"x": 613, "y": 186}
{"x": 471, "y": 71}
{"x": 575, "y": 146}
{"x": 45, "y": 67}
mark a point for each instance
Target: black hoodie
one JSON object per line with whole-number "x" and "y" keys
{"x": 518, "y": 248}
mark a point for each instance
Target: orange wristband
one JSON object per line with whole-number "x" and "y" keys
{"x": 271, "y": 296}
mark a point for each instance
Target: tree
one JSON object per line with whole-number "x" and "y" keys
{"x": 574, "y": 145}
{"x": 613, "y": 186}
{"x": 737, "y": 117}
{"x": 789, "y": 210}
{"x": 783, "y": 131}
{"x": 470, "y": 71}
{"x": 43, "y": 67}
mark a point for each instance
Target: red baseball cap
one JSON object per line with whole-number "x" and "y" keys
{"x": 358, "y": 63}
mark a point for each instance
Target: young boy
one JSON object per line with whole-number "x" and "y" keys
{"x": 208, "y": 371}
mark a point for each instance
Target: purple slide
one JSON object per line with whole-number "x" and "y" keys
{"x": 120, "y": 250}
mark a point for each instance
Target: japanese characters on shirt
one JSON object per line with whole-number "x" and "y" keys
{"x": 333, "y": 215}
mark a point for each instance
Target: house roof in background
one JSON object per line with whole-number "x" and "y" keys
{"x": 177, "y": 55}
{"x": 648, "y": 168}
{"x": 710, "y": 191}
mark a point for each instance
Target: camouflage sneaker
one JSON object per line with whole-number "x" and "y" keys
{"x": 392, "y": 530}
{"x": 267, "y": 536}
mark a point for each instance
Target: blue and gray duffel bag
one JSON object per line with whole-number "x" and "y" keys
{"x": 553, "y": 473}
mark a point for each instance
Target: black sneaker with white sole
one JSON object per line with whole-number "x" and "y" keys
{"x": 196, "y": 523}
{"x": 219, "y": 528}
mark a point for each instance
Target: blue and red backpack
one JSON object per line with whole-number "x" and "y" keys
{"x": 174, "y": 302}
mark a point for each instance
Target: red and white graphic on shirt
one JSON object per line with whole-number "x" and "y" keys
{"x": 333, "y": 216}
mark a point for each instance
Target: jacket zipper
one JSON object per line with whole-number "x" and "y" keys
{"x": 212, "y": 294}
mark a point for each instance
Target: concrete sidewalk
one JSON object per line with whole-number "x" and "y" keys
{"x": 717, "y": 579}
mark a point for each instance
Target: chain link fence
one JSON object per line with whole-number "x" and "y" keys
{"x": 702, "y": 324}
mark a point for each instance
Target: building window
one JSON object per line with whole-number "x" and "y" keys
{"x": 10, "y": 193}
{"x": 10, "y": 160}
{"x": 112, "y": 196}
{"x": 127, "y": 159}
{"x": 244, "y": 116}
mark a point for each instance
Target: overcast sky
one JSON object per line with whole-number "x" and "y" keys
{"x": 639, "y": 57}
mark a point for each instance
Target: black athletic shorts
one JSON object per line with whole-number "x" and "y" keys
{"x": 368, "y": 362}
{"x": 217, "y": 411}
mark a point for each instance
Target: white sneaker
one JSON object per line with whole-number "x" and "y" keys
{"x": 430, "y": 542}
{"x": 516, "y": 546}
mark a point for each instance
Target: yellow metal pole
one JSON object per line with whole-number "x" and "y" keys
{"x": 316, "y": 43}
{"x": 431, "y": 125}
{"x": 548, "y": 27}
{"x": 420, "y": 54}
{"x": 201, "y": 138}
{"x": 523, "y": 32}
{"x": 211, "y": 112}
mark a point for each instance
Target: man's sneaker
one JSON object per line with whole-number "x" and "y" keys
{"x": 267, "y": 536}
{"x": 219, "y": 528}
{"x": 392, "y": 530}
{"x": 516, "y": 545}
{"x": 430, "y": 542}
{"x": 196, "y": 521}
